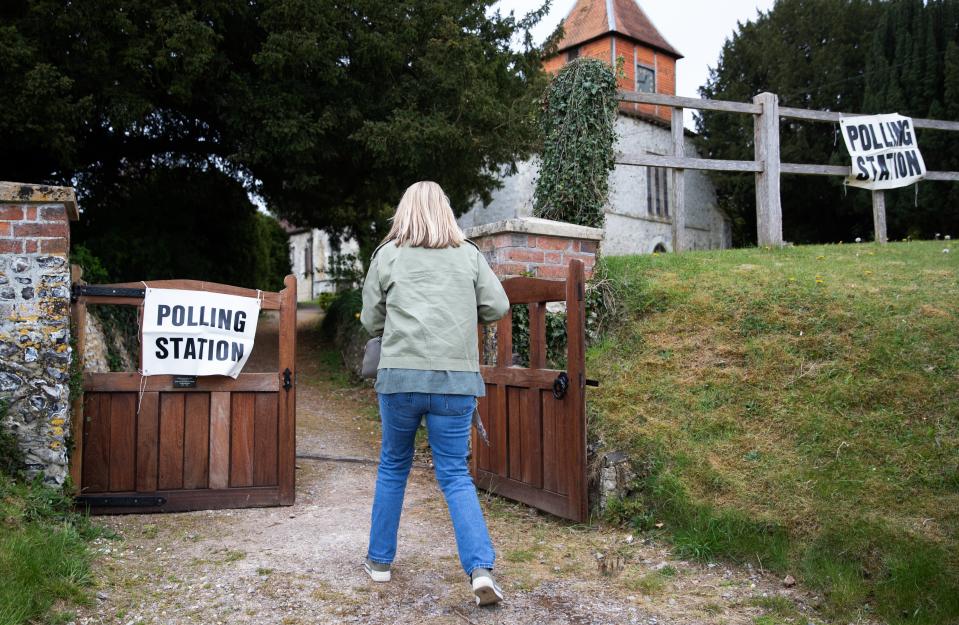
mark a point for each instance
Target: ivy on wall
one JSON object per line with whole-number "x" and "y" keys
{"x": 577, "y": 121}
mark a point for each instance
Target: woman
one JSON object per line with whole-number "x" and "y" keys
{"x": 426, "y": 289}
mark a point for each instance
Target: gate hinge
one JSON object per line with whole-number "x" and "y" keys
{"x": 287, "y": 379}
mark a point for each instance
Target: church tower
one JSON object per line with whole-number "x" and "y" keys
{"x": 619, "y": 29}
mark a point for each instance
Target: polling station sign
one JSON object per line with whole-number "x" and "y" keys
{"x": 197, "y": 333}
{"x": 884, "y": 151}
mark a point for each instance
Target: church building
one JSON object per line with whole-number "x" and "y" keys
{"x": 638, "y": 213}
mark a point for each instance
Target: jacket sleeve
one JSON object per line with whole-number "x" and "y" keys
{"x": 373, "y": 316}
{"x": 491, "y": 300}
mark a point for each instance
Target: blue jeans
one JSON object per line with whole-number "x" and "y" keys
{"x": 448, "y": 421}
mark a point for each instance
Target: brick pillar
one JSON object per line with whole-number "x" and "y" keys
{"x": 536, "y": 247}
{"x": 35, "y": 322}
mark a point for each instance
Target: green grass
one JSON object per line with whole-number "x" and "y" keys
{"x": 43, "y": 552}
{"x": 797, "y": 409}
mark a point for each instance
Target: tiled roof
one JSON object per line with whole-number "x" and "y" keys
{"x": 594, "y": 18}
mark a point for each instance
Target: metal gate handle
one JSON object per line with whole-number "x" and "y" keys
{"x": 560, "y": 384}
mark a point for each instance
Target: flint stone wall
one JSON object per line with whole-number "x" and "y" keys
{"x": 35, "y": 353}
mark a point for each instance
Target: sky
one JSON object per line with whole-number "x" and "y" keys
{"x": 697, "y": 28}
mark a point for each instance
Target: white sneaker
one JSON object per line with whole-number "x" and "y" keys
{"x": 485, "y": 588}
{"x": 377, "y": 572}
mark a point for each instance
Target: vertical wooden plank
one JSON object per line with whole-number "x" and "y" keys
{"x": 769, "y": 218}
{"x": 122, "y": 442}
{"x": 554, "y": 468}
{"x": 265, "y": 440}
{"x": 78, "y": 318}
{"x": 879, "y": 216}
{"x": 481, "y": 449}
{"x": 531, "y": 433}
{"x": 504, "y": 340}
{"x": 499, "y": 462}
{"x": 219, "y": 440}
{"x": 678, "y": 192}
{"x": 96, "y": 435}
{"x": 148, "y": 432}
{"x": 514, "y": 435}
{"x": 241, "y": 440}
{"x": 196, "y": 440}
{"x": 574, "y": 425}
{"x": 537, "y": 335}
{"x": 170, "y": 463}
{"x": 286, "y": 398}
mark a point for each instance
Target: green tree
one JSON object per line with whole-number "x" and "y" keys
{"x": 327, "y": 110}
{"x": 813, "y": 54}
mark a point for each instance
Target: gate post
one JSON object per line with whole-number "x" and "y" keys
{"x": 879, "y": 215}
{"x": 679, "y": 188}
{"x": 769, "y": 218}
{"x": 35, "y": 353}
{"x": 536, "y": 247}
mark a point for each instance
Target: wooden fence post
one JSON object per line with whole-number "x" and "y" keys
{"x": 679, "y": 187}
{"x": 879, "y": 215}
{"x": 769, "y": 218}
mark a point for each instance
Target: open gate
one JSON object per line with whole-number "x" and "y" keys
{"x": 536, "y": 417}
{"x": 221, "y": 443}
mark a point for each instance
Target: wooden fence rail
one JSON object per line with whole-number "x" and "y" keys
{"x": 766, "y": 164}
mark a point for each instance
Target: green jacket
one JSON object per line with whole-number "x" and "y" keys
{"x": 426, "y": 304}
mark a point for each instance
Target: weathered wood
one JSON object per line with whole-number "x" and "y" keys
{"x": 148, "y": 439}
{"x": 515, "y": 406}
{"x": 769, "y": 221}
{"x": 78, "y": 319}
{"x": 504, "y": 340}
{"x": 122, "y": 441}
{"x": 96, "y": 435}
{"x": 879, "y": 215}
{"x": 537, "y": 336}
{"x": 834, "y": 117}
{"x": 942, "y": 176}
{"x": 286, "y": 398}
{"x": 520, "y": 376}
{"x": 129, "y": 381}
{"x": 574, "y": 439}
{"x": 170, "y": 471}
{"x": 710, "y": 164}
{"x": 269, "y": 299}
{"x": 241, "y": 440}
{"x": 805, "y": 169}
{"x": 196, "y": 440}
{"x": 265, "y": 440}
{"x": 678, "y": 192}
{"x": 525, "y": 290}
{"x": 662, "y": 99}
{"x": 219, "y": 440}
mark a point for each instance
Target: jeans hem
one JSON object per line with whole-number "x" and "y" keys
{"x": 481, "y": 565}
{"x": 375, "y": 561}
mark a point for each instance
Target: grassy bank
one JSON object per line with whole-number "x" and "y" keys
{"x": 799, "y": 409}
{"x": 44, "y": 557}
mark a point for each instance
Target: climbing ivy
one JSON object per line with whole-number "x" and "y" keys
{"x": 577, "y": 125}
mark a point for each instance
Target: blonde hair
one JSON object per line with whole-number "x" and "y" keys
{"x": 424, "y": 218}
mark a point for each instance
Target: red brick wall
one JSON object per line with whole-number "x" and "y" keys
{"x": 629, "y": 50}
{"x": 34, "y": 229}
{"x": 516, "y": 254}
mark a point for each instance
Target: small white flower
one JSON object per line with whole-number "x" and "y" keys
{"x": 858, "y": 239}
{"x": 945, "y": 251}
{"x": 948, "y": 238}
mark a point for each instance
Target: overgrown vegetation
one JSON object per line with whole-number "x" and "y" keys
{"x": 797, "y": 409}
{"x": 43, "y": 543}
{"x": 577, "y": 123}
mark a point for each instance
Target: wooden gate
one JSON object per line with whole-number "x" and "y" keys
{"x": 537, "y": 424}
{"x": 222, "y": 443}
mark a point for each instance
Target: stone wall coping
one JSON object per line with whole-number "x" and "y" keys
{"x": 535, "y": 225}
{"x": 24, "y": 193}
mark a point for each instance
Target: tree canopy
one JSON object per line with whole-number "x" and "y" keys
{"x": 327, "y": 110}
{"x": 854, "y": 56}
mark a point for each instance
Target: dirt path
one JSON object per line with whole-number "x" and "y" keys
{"x": 301, "y": 564}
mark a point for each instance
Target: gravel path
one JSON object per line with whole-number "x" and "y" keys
{"x": 301, "y": 564}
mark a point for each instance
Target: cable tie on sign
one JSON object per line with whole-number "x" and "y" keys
{"x": 143, "y": 388}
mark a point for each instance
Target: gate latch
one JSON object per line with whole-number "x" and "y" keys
{"x": 287, "y": 379}
{"x": 560, "y": 384}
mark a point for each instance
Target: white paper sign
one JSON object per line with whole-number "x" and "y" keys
{"x": 884, "y": 151}
{"x": 197, "y": 333}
